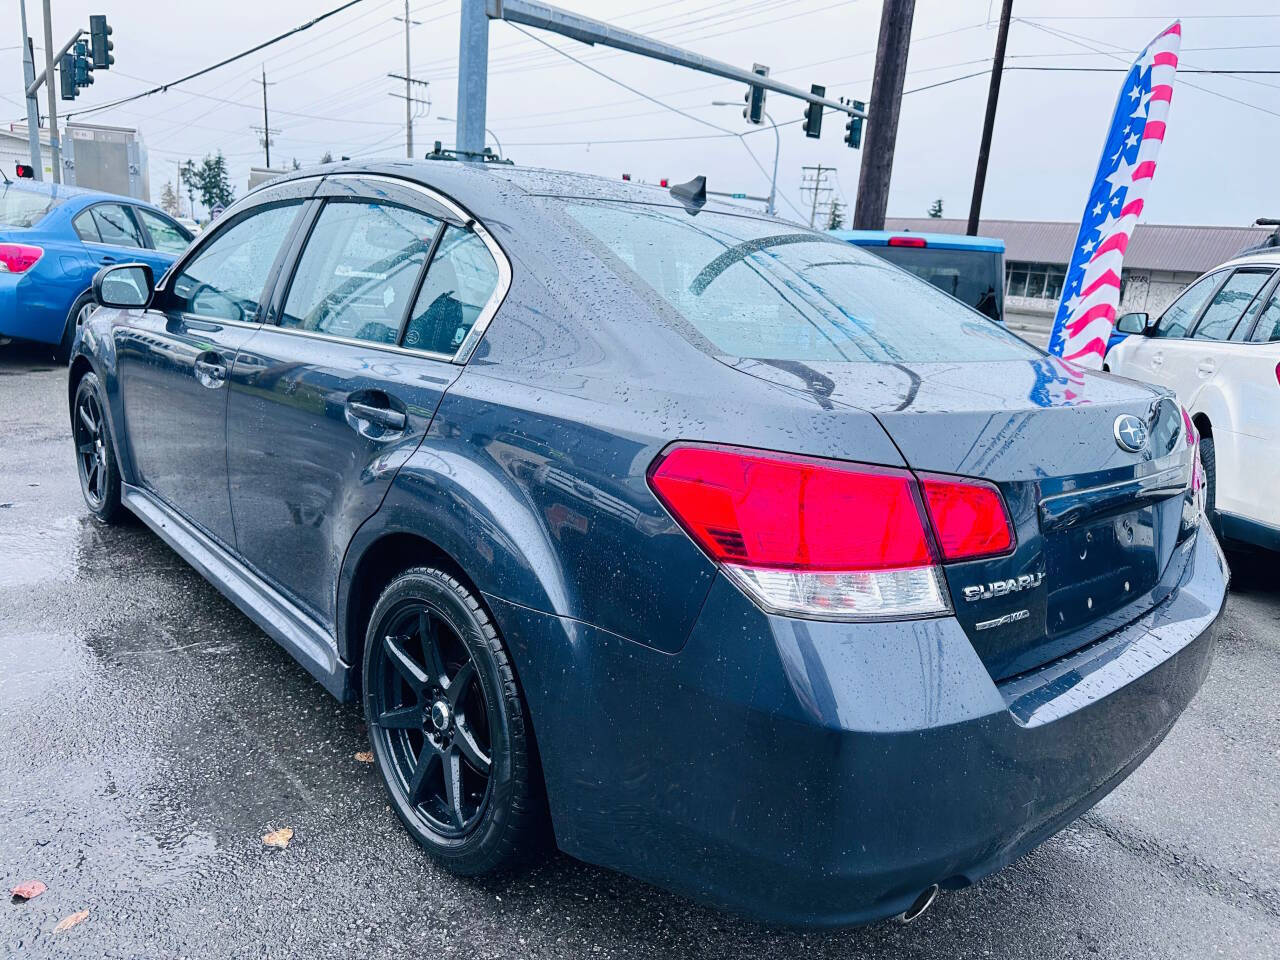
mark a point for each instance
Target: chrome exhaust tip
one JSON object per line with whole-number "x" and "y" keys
{"x": 921, "y": 903}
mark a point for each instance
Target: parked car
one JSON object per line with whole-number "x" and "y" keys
{"x": 52, "y": 240}
{"x": 1218, "y": 347}
{"x": 712, "y": 547}
{"x": 971, "y": 269}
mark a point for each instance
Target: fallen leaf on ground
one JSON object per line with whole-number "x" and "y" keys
{"x": 29, "y": 890}
{"x": 66, "y": 923}
{"x": 365, "y": 756}
{"x": 279, "y": 838}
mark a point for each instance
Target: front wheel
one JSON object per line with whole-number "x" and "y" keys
{"x": 448, "y": 726}
{"x": 95, "y": 456}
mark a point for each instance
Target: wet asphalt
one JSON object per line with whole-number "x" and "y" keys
{"x": 150, "y": 735}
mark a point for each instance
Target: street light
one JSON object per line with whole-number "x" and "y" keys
{"x": 777, "y": 147}
{"x": 486, "y": 130}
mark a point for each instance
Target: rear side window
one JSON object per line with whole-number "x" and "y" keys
{"x": 23, "y": 208}
{"x": 759, "y": 289}
{"x": 1223, "y": 313}
{"x": 459, "y": 282}
{"x": 86, "y": 229}
{"x": 166, "y": 236}
{"x": 116, "y": 225}
{"x": 226, "y": 277}
{"x": 1268, "y": 328}
{"x": 1175, "y": 321}
{"x": 358, "y": 271}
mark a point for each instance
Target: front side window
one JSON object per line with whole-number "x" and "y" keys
{"x": 759, "y": 289}
{"x": 1268, "y": 328}
{"x": 1223, "y": 313}
{"x": 1175, "y": 321}
{"x": 459, "y": 282}
{"x": 358, "y": 271}
{"x": 116, "y": 226}
{"x": 166, "y": 235}
{"x": 227, "y": 277}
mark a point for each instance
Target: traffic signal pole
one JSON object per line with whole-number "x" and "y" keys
{"x": 55, "y": 154}
{"x": 886, "y": 99}
{"x": 33, "y": 105}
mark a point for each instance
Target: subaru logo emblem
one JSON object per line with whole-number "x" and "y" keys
{"x": 1130, "y": 433}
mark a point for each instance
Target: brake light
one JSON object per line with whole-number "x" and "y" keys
{"x": 1278, "y": 373}
{"x": 1190, "y": 427}
{"x": 968, "y": 517}
{"x": 18, "y": 257}
{"x": 908, "y": 242}
{"x": 828, "y": 539}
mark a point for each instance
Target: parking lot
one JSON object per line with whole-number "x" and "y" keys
{"x": 152, "y": 735}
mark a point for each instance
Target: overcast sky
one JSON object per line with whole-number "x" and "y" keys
{"x": 331, "y": 92}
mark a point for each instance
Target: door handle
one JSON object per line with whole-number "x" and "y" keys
{"x": 211, "y": 374}
{"x": 107, "y": 258}
{"x": 1157, "y": 360}
{"x": 1206, "y": 367}
{"x": 383, "y": 416}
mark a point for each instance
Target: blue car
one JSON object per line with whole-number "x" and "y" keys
{"x": 54, "y": 238}
{"x": 707, "y": 547}
{"x": 971, "y": 269}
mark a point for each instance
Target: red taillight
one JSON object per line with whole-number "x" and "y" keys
{"x": 1190, "y": 427}
{"x": 771, "y": 510}
{"x": 18, "y": 257}
{"x": 908, "y": 242}
{"x": 829, "y": 539}
{"x": 1278, "y": 373}
{"x": 968, "y": 517}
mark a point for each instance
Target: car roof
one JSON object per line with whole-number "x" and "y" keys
{"x": 477, "y": 186}
{"x": 1269, "y": 257}
{"x": 66, "y": 191}
{"x": 942, "y": 241}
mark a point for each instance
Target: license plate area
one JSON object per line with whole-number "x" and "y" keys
{"x": 1099, "y": 566}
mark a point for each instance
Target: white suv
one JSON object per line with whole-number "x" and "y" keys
{"x": 1218, "y": 347}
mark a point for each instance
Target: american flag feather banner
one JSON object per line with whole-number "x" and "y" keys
{"x": 1091, "y": 292}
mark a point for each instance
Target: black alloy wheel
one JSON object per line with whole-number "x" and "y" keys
{"x": 448, "y": 725}
{"x": 95, "y": 459}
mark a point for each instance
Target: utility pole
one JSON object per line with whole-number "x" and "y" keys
{"x": 989, "y": 122}
{"x": 816, "y": 185}
{"x": 266, "y": 124}
{"x": 33, "y": 104}
{"x": 886, "y": 99}
{"x": 408, "y": 93}
{"x": 54, "y": 152}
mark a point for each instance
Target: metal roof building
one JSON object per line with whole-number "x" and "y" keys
{"x": 1154, "y": 246}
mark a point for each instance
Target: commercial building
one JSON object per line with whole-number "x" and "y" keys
{"x": 1161, "y": 260}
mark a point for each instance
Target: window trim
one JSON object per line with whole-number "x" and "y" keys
{"x": 1195, "y": 321}
{"x": 1246, "y": 268}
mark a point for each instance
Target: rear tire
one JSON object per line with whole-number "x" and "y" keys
{"x": 1209, "y": 460}
{"x": 448, "y": 726}
{"x": 95, "y": 454}
{"x": 80, "y": 311}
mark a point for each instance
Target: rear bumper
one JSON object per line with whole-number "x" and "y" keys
{"x": 823, "y": 774}
{"x": 31, "y": 308}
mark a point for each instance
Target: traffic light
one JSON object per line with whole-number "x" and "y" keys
{"x": 25, "y": 171}
{"x": 84, "y": 67}
{"x": 754, "y": 110}
{"x": 99, "y": 33}
{"x": 813, "y": 112}
{"x": 67, "y": 74}
{"x": 853, "y": 129}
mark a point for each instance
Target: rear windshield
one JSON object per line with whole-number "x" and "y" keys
{"x": 22, "y": 208}
{"x": 760, "y": 289}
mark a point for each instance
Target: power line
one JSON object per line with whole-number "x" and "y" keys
{"x": 162, "y": 88}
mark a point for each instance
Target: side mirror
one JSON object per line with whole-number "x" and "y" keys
{"x": 128, "y": 286}
{"x": 1133, "y": 323}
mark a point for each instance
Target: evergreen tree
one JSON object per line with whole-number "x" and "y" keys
{"x": 169, "y": 201}
{"x": 210, "y": 180}
{"x": 327, "y": 158}
{"x": 835, "y": 216}
{"x": 935, "y": 208}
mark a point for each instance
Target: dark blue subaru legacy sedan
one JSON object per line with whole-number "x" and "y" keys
{"x": 710, "y": 548}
